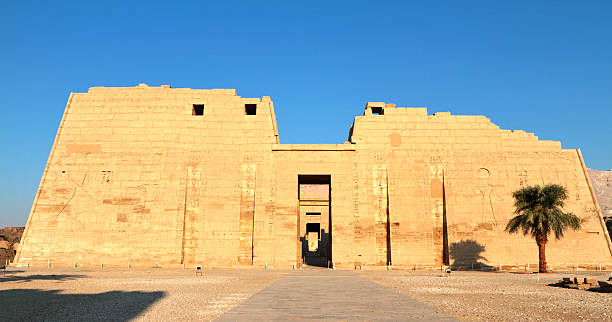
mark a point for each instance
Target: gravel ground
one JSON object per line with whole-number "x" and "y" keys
{"x": 501, "y": 296}
{"x": 166, "y": 294}
{"x": 119, "y": 294}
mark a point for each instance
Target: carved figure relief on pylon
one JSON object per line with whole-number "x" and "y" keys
{"x": 489, "y": 196}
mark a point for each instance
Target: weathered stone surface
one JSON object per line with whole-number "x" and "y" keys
{"x": 147, "y": 176}
{"x": 352, "y": 298}
{"x": 602, "y": 184}
{"x": 578, "y": 283}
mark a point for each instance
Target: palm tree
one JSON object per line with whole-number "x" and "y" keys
{"x": 539, "y": 212}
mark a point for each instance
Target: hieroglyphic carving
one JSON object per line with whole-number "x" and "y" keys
{"x": 247, "y": 212}
{"x": 436, "y": 181}
{"x": 191, "y": 214}
{"x": 379, "y": 185}
{"x": 435, "y": 159}
{"x": 356, "y": 218}
{"x": 107, "y": 176}
{"x": 522, "y": 175}
{"x": 271, "y": 201}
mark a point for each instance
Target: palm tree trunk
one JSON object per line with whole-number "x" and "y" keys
{"x": 541, "y": 241}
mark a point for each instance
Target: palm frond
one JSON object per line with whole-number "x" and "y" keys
{"x": 539, "y": 210}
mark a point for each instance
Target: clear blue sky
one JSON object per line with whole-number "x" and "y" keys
{"x": 541, "y": 66}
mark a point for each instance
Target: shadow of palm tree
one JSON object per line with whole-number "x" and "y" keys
{"x": 466, "y": 255}
{"x": 50, "y": 305}
{"x": 29, "y": 278}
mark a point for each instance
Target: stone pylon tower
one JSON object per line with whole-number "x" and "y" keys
{"x": 144, "y": 176}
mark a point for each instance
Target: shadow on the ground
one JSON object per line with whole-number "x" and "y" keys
{"x": 29, "y": 278}
{"x": 599, "y": 289}
{"x": 50, "y": 305}
{"x": 466, "y": 255}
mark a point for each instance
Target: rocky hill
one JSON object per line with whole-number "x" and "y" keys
{"x": 602, "y": 184}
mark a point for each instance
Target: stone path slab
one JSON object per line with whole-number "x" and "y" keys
{"x": 330, "y": 295}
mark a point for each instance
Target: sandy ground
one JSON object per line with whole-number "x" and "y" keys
{"x": 115, "y": 295}
{"x": 166, "y": 294}
{"x": 501, "y": 296}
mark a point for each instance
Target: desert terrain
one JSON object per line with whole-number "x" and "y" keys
{"x": 470, "y": 296}
{"x": 166, "y": 294}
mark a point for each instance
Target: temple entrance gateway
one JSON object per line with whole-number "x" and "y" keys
{"x": 314, "y": 221}
{"x": 220, "y": 190}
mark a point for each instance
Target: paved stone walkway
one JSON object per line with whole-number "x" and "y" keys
{"x": 329, "y": 295}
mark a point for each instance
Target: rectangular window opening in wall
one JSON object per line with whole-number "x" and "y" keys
{"x": 378, "y": 110}
{"x": 250, "y": 109}
{"x": 313, "y": 214}
{"x": 198, "y": 109}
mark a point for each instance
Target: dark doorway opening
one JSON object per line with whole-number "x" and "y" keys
{"x": 314, "y": 220}
{"x": 313, "y": 228}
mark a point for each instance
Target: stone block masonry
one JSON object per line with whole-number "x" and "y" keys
{"x": 145, "y": 176}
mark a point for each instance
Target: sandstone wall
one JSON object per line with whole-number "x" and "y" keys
{"x": 135, "y": 178}
{"x": 462, "y": 169}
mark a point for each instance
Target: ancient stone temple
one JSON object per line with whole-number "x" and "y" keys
{"x": 167, "y": 177}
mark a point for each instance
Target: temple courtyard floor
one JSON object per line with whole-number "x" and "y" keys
{"x": 168, "y": 294}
